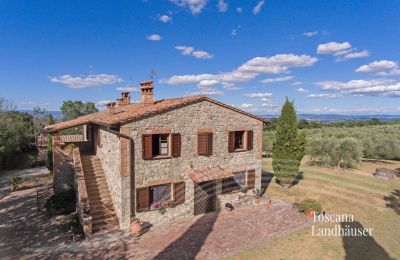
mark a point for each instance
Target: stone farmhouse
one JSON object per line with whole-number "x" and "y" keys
{"x": 185, "y": 156}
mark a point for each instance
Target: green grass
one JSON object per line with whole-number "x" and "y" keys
{"x": 340, "y": 192}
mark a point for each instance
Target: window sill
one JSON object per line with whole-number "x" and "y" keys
{"x": 160, "y": 157}
{"x": 239, "y": 150}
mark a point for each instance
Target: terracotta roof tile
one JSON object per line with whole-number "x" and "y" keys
{"x": 210, "y": 173}
{"x": 137, "y": 110}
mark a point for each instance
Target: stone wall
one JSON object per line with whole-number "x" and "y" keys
{"x": 187, "y": 121}
{"x": 109, "y": 153}
{"x": 63, "y": 171}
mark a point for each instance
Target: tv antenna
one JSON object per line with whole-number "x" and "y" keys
{"x": 152, "y": 74}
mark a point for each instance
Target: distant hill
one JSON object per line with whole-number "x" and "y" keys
{"x": 337, "y": 118}
{"x": 55, "y": 114}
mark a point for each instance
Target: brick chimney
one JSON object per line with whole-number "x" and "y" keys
{"x": 126, "y": 99}
{"x": 147, "y": 89}
{"x": 111, "y": 107}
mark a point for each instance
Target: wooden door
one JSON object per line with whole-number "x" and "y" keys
{"x": 204, "y": 197}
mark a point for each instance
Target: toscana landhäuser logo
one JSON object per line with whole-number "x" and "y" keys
{"x": 345, "y": 226}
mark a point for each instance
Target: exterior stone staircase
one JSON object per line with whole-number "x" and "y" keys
{"x": 101, "y": 205}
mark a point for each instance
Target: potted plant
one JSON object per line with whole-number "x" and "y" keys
{"x": 310, "y": 207}
{"x": 15, "y": 182}
{"x": 136, "y": 227}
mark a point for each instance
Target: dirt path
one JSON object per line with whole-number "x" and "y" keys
{"x": 24, "y": 173}
{"x": 23, "y": 228}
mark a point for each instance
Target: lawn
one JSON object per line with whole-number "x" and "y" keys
{"x": 340, "y": 192}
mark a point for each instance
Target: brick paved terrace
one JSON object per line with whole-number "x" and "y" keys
{"x": 26, "y": 233}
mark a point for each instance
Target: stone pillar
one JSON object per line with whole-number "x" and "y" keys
{"x": 125, "y": 168}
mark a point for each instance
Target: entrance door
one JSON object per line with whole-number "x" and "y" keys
{"x": 204, "y": 197}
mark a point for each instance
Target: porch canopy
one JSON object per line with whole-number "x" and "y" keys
{"x": 210, "y": 173}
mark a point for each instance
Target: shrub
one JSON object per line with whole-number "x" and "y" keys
{"x": 258, "y": 192}
{"x": 309, "y": 204}
{"x": 244, "y": 189}
{"x": 15, "y": 182}
{"x": 63, "y": 202}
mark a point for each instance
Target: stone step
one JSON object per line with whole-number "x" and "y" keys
{"x": 93, "y": 185}
{"x": 104, "y": 215}
{"x": 101, "y": 228}
{"x": 100, "y": 200}
{"x": 95, "y": 178}
{"x": 95, "y": 196}
{"x": 101, "y": 208}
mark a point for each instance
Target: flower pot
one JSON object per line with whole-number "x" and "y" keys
{"x": 136, "y": 228}
{"x": 228, "y": 207}
{"x": 310, "y": 213}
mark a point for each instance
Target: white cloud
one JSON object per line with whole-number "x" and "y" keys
{"x": 388, "y": 88}
{"x": 207, "y": 92}
{"x": 265, "y": 99}
{"x": 280, "y": 79}
{"x": 186, "y": 79}
{"x": 352, "y": 111}
{"x": 86, "y": 81}
{"x": 222, "y": 6}
{"x": 239, "y": 9}
{"x": 246, "y": 105}
{"x": 202, "y": 55}
{"x": 342, "y": 50}
{"x": 207, "y": 83}
{"x": 302, "y": 90}
{"x": 258, "y": 7}
{"x": 296, "y": 83}
{"x": 324, "y": 96}
{"x": 234, "y": 32}
{"x": 258, "y": 95}
{"x": 229, "y": 86}
{"x": 355, "y": 55}
{"x": 187, "y": 50}
{"x": 127, "y": 88}
{"x": 332, "y": 47}
{"x": 165, "y": 18}
{"x": 380, "y": 68}
{"x": 103, "y": 103}
{"x": 310, "y": 34}
{"x": 268, "y": 105}
{"x": 154, "y": 37}
{"x": 277, "y": 64}
{"x": 195, "y": 6}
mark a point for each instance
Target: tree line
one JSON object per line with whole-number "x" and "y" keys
{"x": 346, "y": 146}
{"x": 18, "y": 130}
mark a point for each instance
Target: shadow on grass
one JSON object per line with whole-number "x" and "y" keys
{"x": 361, "y": 247}
{"x": 393, "y": 201}
{"x": 266, "y": 179}
{"x": 374, "y": 161}
{"x": 288, "y": 182}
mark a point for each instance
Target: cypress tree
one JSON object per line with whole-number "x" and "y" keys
{"x": 289, "y": 146}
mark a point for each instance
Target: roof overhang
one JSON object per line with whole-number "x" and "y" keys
{"x": 210, "y": 173}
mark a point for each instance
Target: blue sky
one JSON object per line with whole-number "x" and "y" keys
{"x": 329, "y": 56}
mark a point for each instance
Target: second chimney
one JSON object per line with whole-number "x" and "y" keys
{"x": 147, "y": 89}
{"x": 111, "y": 107}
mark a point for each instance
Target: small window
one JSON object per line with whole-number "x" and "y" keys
{"x": 239, "y": 140}
{"x": 160, "y": 145}
{"x": 160, "y": 193}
